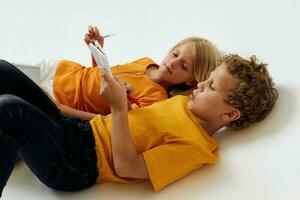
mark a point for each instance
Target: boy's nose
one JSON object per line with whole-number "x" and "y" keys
{"x": 200, "y": 86}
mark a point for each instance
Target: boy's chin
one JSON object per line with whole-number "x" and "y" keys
{"x": 189, "y": 104}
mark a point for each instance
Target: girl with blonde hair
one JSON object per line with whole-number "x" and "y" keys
{"x": 76, "y": 87}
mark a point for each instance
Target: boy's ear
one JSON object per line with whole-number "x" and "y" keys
{"x": 232, "y": 115}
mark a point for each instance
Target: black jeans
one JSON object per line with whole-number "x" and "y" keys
{"x": 58, "y": 150}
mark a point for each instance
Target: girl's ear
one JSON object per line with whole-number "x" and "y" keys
{"x": 233, "y": 115}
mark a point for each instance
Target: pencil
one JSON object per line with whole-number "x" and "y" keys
{"x": 109, "y": 35}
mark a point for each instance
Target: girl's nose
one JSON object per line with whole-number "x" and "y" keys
{"x": 173, "y": 63}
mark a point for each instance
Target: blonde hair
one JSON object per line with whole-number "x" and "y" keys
{"x": 207, "y": 56}
{"x": 255, "y": 95}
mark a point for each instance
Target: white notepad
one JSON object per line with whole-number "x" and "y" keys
{"x": 100, "y": 56}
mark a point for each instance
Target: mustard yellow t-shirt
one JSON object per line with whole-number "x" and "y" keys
{"x": 167, "y": 134}
{"x": 79, "y": 87}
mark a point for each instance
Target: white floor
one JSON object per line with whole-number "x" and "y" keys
{"x": 260, "y": 163}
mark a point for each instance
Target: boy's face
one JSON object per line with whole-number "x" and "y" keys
{"x": 177, "y": 66}
{"x": 207, "y": 102}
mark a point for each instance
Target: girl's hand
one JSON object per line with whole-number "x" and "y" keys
{"x": 113, "y": 91}
{"x": 92, "y": 35}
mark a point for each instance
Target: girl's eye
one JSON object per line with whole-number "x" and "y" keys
{"x": 211, "y": 87}
{"x": 184, "y": 67}
{"x": 174, "y": 54}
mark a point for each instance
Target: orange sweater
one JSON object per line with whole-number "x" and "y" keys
{"x": 169, "y": 137}
{"x": 78, "y": 86}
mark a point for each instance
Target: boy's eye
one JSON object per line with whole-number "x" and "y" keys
{"x": 211, "y": 87}
{"x": 174, "y": 54}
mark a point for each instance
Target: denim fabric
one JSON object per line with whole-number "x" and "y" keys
{"x": 13, "y": 81}
{"x": 60, "y": 153}
{"x": 58, "y": 150}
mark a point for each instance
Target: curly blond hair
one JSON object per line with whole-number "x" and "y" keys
{"x": 255, "y": 95}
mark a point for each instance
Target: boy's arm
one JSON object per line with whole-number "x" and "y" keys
{"x": 127, "y": 162}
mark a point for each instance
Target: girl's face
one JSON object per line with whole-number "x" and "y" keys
{"x": 177, "y": 66}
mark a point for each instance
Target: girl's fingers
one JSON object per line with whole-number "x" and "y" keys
{"x": 87, "y": 38}
{"x": 94, "y": 34}
{"x": 90, "y": 29}
{"x": 96, "y": 31}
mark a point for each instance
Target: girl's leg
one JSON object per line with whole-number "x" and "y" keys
{"x": 13, "y": 81}
{"x": 59, "y": 153}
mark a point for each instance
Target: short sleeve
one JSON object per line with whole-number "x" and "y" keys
{"x": 170, "y": 162}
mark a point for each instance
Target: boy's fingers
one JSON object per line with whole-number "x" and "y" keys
{"x": 103, "y": 71}
{"x": 105, "y": 75}
{"x": 121, "y": 83}
{"x": 127, "y": 86}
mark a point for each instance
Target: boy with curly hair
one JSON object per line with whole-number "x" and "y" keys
{"x": 162, "y": 142}
{"x": 255, "y": 94}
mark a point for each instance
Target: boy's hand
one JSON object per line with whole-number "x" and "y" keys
{"x": 113, "y": 91}
{"x": 92, "y": 35}
{"x": 127, "y": 86}
{"x": 129, "y": 90}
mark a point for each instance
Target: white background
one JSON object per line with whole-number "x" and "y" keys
{"x": 261, "y": 162}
